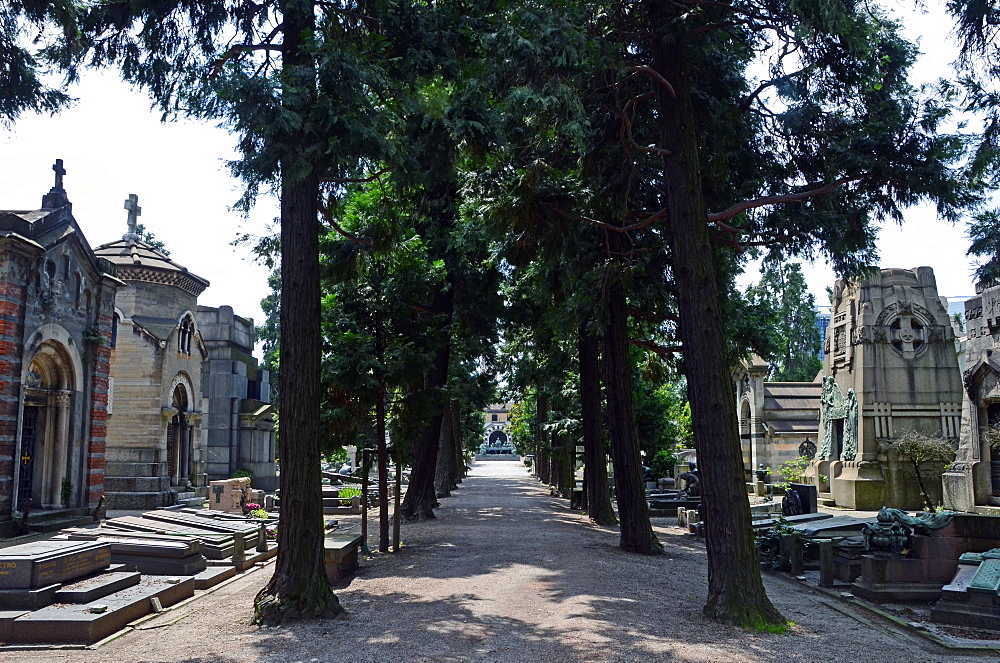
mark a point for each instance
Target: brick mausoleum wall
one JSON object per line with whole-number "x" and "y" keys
{"x": 15, "y": 257}
{"x": 101, "y": 369}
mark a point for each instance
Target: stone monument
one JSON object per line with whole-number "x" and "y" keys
{"x": 890, "y": 366}
{"x": 973, "y": 481}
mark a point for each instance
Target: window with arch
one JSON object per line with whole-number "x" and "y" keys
{"x": 185, "y": 334}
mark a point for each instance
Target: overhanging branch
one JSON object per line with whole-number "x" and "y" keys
{"x": 717, "y": 217}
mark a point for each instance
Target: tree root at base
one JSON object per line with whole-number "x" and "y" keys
{"x": 271, "y": 610}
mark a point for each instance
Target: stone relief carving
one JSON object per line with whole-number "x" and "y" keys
{"x": 850, "y": 427}
{"x": 834, "y": 406}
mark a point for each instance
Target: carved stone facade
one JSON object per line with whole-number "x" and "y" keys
{"x": 779, "y": 421}
{"x": 890, "y": 367}
{"x": 973, "y": 481}
{"x": 239, "y": 431}
{"x": 56, "y": 316}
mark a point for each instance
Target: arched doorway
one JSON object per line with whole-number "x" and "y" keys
{"x": 44, "y": 449}
{"x": 746, "y": 434}
{"x": 179, "y": 438}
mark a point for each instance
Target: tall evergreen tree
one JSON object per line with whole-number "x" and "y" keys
{"x": 787, "y": 312}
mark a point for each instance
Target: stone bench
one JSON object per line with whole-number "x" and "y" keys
{"x": 340, "y": 554}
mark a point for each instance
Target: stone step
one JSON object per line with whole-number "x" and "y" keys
{"x": 213, "y": 575}
{"x": 41, "y": 516}
{"x": 61, "y": 523}
{"x": 124, "y": 469}
{"x": 135, "y": 484}
{"x": 97, "y": 587}
{"x": 138, "y": 501}
{"x": 86, "y": 623}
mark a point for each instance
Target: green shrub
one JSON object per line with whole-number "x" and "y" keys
{"x": 663, "y": 463}
{"x": 242, "y": 474}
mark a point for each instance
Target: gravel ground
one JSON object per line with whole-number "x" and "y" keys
{"x": 507, "y": 573}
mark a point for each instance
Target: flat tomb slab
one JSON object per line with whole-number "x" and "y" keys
{"x": 138, "y": 546}
{"x": 28, "y": 598}
{"x": 211, "y": 524}
{"x": 802, "y": 518}
{"x": 92, "y": 589}
{"x": 164, "y": 528}
{"x": 43, "y": 563}
{"x": 86, "y": 623}
{"x": 163, "y": 566}
{"x": 213, "y": 575}
{"x": 835, "y": 526}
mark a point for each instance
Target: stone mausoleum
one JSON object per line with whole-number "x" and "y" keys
{"x": 56, "y": 323}
{"x": 779, "y": 421}
{"x": 890, "y": 366}
{"x": 972, "y": 483}
{"x": 154, "y": 431}
{"x": 239, "y": 428}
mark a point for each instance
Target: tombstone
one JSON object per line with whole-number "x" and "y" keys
{"x": 47, "y": 562}
{"x": 229, "y": 495}
{"x": 931, "y": 563}
{"x": 972, "y": 598}
{"x": 799, "y": 499}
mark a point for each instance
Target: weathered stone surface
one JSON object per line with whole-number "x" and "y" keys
{"x": 75, "y": 623}
{"x": 46, "y": 562}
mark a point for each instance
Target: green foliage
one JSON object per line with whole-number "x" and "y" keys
{"x": 149, "y": 238}
{"x": 787, "y": 315}
{"x": 920, "y": 449}
{"x": 242, "y": 474}
{"x": 792, "y": 471}
{"x": 663, "y": 463}
{"x": 92, "y": 334}
{"x": 348, "y": 492}
{"x": 66, "y": 491}
{"x": 259, "y": 513}
{"x": 36, "y": 38}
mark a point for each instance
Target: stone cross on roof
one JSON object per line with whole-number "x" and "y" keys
{"x": 60, "y": 171}
{"x": 134, "y": 211}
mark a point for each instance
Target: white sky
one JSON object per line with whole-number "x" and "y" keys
{"x": 113, "y": 145}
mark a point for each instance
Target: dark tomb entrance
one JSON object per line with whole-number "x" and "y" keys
{"x": 179, "y": 440}
{"x": 993, "y": 417}
{"x": 26, "y": 476}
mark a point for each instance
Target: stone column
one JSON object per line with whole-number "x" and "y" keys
{"x": 60, "y": 447}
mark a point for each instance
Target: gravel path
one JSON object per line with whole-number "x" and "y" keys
{"x": 507, "y": 573}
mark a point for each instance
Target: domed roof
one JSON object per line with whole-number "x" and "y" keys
{"x": 137, "y": 261}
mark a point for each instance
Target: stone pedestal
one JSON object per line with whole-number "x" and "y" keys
{"x": 859, "y": 485}
{"x": 229, "y": 495}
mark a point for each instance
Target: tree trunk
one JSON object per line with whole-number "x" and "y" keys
{"x": 735, "y": 592}
{"x": 633, "y": 512}
{"x": 457, "y": 448}
{"x": 397, "y": 489}
{"x": 541, "y": 438}
{"x": 446, "y": 456}
{"x": 299, "y": 587}
{"x": 595, "y": 457}
{"x": 383, "y": 473}
{"x": 420, "y": 498}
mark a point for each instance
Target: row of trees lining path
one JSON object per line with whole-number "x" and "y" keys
{"x": 605, "y": 166}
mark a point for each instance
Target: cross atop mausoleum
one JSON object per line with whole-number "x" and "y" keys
{"x": 60, "y": 171}
{"x": 134, "y": 211}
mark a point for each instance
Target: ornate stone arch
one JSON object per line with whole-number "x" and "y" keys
{"x": 47, "y": 447}
{"x": 179, "y": 442}
{"x": 56, "y": 340}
